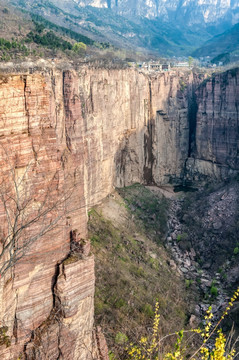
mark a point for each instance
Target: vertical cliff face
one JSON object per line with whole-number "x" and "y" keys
{"x": 72, "y": 136}
{"x": 119, "y": 108}
{"x": 216, "y": 131}
{"x": 171, "y": 128}
{"x": 36, "y": 128}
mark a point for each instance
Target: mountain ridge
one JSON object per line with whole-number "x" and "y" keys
{"x": 222, "y": 45}
{"x": 189, "y": 11}
{"x": 103, "y": 24}
{"x": 168, "y": 32}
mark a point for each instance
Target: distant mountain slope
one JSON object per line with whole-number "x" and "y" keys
{"x": 24, "y": 35}
{"x": 105, "y": 25}
{"x": 13, "y": 22}
{"x": 187, "y": 11}
{"x": 227, "y": 42}
{"x": 159, "y": 27}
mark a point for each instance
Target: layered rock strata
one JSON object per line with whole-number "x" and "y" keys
{"x": 35, "y": 127}
{"x": 215, "y": 148}
{"x": 67, "y": 137}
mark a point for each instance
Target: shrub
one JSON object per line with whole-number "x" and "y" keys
{"x": 188, "y": 283}
{"x": 183, "y": 236}
{"x": 213, "y": 341}
{"x": 121, "y": 338}
{"x": 148, "y": 310}
{"x": 179, "y": 237}
{"x": 236, "y": 251}
{"x": 214, "y": 291}
{"x": 120, "y": 303}
{"x": 79, "y": 48}
{"x": 112, "y": 356}
{"x": 4, "y": 338}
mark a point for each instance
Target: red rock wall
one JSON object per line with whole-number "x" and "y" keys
{"x": 76, "y": 134}
{"x": 216, "y": 148}
{"x": 35, "y": 127}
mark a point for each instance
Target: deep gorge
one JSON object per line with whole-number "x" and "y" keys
{"x": 85, "y": 131}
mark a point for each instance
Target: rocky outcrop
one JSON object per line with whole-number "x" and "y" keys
{"x": 67, "y": 332}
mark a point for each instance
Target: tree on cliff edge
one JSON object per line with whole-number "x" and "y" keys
{"x": 28, "y": 209}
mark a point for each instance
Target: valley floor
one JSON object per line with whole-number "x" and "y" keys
{"x": 153, "y": 244}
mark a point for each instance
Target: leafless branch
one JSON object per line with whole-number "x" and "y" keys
{"x": 27, "y": 213}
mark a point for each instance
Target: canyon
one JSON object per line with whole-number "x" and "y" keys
{"x": 75, "y": 133}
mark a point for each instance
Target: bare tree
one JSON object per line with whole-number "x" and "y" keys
{"x": 27, "y": 211}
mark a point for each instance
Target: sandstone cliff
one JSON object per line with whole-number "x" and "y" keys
{"x": 214, "y": 128}
{"x": 76, "y": 134}
{"x": 82, "y": 132}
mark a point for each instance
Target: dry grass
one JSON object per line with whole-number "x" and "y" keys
{"x": 132, "y": 271}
